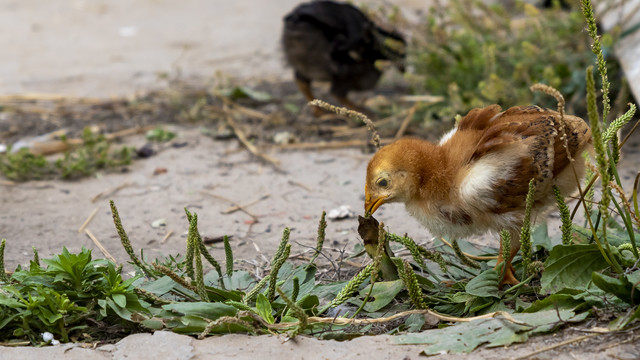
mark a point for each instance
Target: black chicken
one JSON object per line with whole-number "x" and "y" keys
{"x": 336, "y": 42}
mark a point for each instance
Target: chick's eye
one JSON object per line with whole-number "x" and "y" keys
{"x": 383, "y": 183}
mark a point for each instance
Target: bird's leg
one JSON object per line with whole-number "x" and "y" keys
{"x": 509, "y": 277}
{"x": 304, "y": 85}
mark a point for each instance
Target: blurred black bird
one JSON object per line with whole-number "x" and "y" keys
{"x": 336, "y": 42}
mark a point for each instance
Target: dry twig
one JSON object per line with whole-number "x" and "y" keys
{"x": 331, "y": 144}
{"x": 354, "y": 321}
{"x": 406, "y": 121}
{"x": 252, "y": 148}
{"x": 99, "y": 245}
{"x": 244, "y": 110}
{"x": 254, "y": 217}
{"x": 299, "y": 184}
{"x": 89, "y": 218}
{"x": 555, "y": 346}
{"x": 166, "y": 236}
{"x": 244, "y": 206}
{"x": 111, "y": 191}
{"x": 375, "y": 137}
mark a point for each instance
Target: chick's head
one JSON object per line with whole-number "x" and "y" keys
{"x": 392, "y": 175}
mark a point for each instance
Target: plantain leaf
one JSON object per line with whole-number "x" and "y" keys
{"x": 622, "y": 287}
{"x": 264, "y": 308}
{"x": 207, "y": 310}
{"x": 239, "y": 280}
{"x": 616, "y": 236}
{"x": 555, "y": 301}
{"x": 382, "y": 294}
{"x": 625, "y": 319}
{"x": 484, "y": 285}
{"x": 465, "y": 337}
{"x": 570, "y": 266}
{"x": 159, "y": 287}
{"x": 120, "y": 299}
{"x": 540, "y": 238}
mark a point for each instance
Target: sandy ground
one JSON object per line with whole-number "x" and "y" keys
{"x": 47, "y": 214}
{"x": 102, "y": 48}
{"x": 105, "y": 48}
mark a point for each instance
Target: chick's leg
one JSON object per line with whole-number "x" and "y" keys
{"x": 304, "y": 85}
{"x": 509, "y": 277}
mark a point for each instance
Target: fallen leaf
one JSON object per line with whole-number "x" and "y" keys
{"x": 465, "y": 337}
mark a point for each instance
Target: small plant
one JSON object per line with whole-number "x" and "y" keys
{"x": 93, "y": 155}
{"x": 476, "y": 54}
{"x": 22, "y": 165}
{"x": 60, "y": 297}
{"x": 159, "y": 134}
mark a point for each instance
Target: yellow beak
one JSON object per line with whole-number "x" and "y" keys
{"x": 370, "y": 204}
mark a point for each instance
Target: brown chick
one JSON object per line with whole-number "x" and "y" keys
{"x": 476, "y": 178}
{"x": 335, "y": 42}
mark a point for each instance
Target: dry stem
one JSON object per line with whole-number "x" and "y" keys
{"x": 252, "y": 148}
{"x": 99, "y": 245}
{"x": 111, "y": 191}
{"x": 89, "y": 218}
{"x": 350, "y": 321}
{"x": 375, "y": 137}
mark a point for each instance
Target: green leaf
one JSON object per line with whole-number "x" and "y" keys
{"x": 559, "y": 301}
{"x": 243, "y": 92}
{"x": 484, "y": 285}
{"x": 194, "y": 324}
{"x": 465, "y": 337}
{"x": 264, "y": 309}
{"x": 207, "y": 310}
{"x": 414, "y": 322}
{"x": 382, "y": 294}
{"x": 122, "y": 312}
{"x": 217, "y": 294}
{"x": 239, "y": 280}
{"x": 305, "y": 275}
{"x": 624, "y": 320}
{"x": 309, "y": 303}
{"x": 622, "y": 287}
{"x": 119, "y": 299}
{"x": 615, "y": 236}
{"x": 570, "y": 266}
{"x": 161, "y": 286}
{"x": 540, "y": 238}
{"x": 153, "y": 324}
{"x": 8, "y": 319}
{"x": 327, "y": 292}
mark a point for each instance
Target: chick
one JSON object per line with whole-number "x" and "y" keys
{"x": 335, "y": 42}
{"x": 476, "y": 178}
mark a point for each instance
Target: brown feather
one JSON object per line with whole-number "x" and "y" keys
{"x": 529, "y": 133}
{"x": 477, "y": 178}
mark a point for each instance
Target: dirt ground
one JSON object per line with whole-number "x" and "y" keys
{"x": 203, "y": 175}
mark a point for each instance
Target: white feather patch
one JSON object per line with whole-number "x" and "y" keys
{"x": 478, "y": 185}
{"x": 448, "y": 135}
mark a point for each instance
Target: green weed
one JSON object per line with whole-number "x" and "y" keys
{"x": 93, "y": 155}
{"x": 476, "y": 54}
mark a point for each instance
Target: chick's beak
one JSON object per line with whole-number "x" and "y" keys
{"x": 372, "y": 204}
